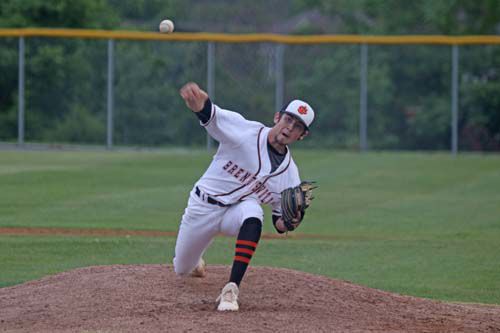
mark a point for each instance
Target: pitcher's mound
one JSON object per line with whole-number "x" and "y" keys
{"x": 150, "y": 298}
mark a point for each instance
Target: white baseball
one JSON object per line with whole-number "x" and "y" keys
{"x": 166, "y": 26}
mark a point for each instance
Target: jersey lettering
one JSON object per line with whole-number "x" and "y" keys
{"x": 239, "y": 172}
{"x": 256, "y": 186}
{"x": 247, "y": 179}
{"x": 233, "y": 169}
{"x": 245, "y": 176}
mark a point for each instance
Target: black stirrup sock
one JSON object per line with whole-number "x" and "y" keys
{"x": 246, "y": 244}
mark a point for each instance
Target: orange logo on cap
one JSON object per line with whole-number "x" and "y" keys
{"x": 302, "y": 109}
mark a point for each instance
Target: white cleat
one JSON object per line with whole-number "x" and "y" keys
{"x": 229, "y": 298}
{"x": 200, "y": 270}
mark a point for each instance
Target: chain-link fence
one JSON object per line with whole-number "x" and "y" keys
{"x": 124, "y": 91}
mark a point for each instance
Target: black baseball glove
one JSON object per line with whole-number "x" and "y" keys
{"x": 295, "y": 200}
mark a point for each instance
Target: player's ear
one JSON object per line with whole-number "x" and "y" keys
{"x": 306, "y": 132}
{"x": 277, "y": 117}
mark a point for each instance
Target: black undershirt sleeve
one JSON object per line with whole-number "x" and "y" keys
{"x": 206, "y": 112}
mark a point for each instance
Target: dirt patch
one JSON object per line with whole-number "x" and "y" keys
{"x": 151, "y": 298}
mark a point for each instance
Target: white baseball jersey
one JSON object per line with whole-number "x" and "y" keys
{"x": 241, "y": 168}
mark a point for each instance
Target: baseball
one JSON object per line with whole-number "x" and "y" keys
{"x": 166, "y": 26}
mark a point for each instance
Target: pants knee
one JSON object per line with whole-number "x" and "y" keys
{"x": 181, "y": 270}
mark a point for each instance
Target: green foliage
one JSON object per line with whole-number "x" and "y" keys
{"x": 63, "y": 77}
{"x": 243, "y": 80}
{"x": 57, "y": 14}
{"x": 145, "y": 14}
{"x": 464, "y": 17}
{"x": 57, "y": 72}
{"x": 78, "y": 126}
{"x": 149, "y": 110}
{"x": 480, "y": 102}
{"x": 336, "y": 103}
{"x": 8, "y": 88}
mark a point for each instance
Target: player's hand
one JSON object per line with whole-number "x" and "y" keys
{"x": 280, "y": 223}
{"x": 194, "y": 96}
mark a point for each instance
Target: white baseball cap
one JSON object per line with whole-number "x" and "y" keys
{"x": 300, "y": 110}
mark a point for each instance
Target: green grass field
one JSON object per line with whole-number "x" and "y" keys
{"x": 423, "y": 224}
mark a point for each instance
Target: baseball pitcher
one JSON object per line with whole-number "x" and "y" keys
{"x": 252, "y": 166}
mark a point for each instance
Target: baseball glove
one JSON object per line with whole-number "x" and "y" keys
{"x": 294, "y": 200}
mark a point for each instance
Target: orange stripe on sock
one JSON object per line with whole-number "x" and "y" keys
{"x": 242, "y": 250}
{"x": 242, "y": 259}
{"x": 244, "y": 242}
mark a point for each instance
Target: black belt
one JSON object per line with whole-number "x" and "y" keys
{"x": 210, "y": 200}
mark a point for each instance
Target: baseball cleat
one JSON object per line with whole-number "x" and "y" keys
{"x": 229, "y": 298}
{"x": 199, "y": 270}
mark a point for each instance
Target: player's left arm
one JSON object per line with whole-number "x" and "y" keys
{"x": 278, "y": 221}
{"x": 295, "y": 198}
{"x": 281, "y": 227}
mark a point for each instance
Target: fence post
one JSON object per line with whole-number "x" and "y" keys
{"x": 454, "y": 99}
{"x": 210, "y": 81}
{"x": 109, "y": 131}
{"x": 363, "y": 98}
{"x": 20, "y": 114}
{"x": 280, "y": 77}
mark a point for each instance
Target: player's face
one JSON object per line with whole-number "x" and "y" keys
{"x": 288, "y": 129}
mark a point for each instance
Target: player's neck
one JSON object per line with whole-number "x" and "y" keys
{"x": 274, "y": 151}
{"x": 276, "y": 145}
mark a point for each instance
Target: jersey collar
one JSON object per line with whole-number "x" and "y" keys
{"x": 264, "y": 154}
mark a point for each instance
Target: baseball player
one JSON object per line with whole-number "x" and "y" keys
{"x": 251, "y": 167}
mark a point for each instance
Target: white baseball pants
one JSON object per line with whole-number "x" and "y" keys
{"x": 202, "y": 221}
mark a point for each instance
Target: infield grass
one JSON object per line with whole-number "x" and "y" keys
{"x": 423, "y": 224}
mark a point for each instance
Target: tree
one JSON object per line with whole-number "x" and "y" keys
{"x": 57, "y": 71}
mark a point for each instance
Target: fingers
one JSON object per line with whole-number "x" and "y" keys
{"x": 189, "y": 90}
{"x": 194, "y": 96}
{"x": 192, "y": 89}
{"x": 199, "y": 94}
{"x": 196, "y": 92}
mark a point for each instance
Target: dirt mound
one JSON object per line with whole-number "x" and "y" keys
{"x": 150, "y": 298}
